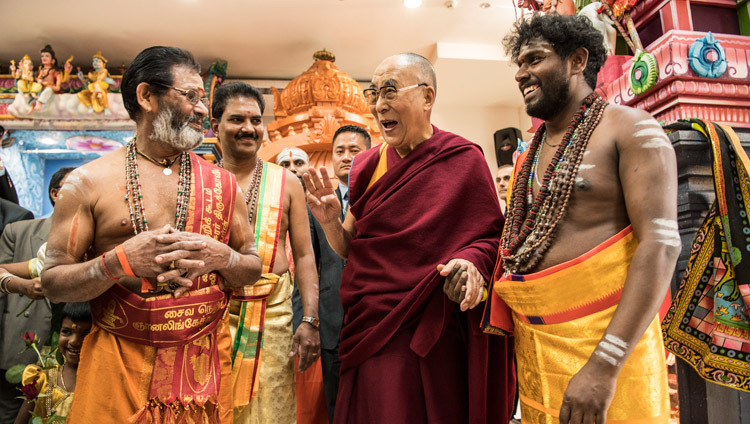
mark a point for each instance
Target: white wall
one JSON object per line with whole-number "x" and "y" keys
{"x": 479, "y": 123}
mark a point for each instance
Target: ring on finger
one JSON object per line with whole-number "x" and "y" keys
{"x": 171, "y": 265}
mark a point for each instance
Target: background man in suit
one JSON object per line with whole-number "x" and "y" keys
{"x": 11, "y": 212}
{"x": 348, "y": 141}
{"x": 20, "y": 242}
{"x": 7, "y": 190}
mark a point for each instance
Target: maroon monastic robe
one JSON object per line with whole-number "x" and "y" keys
{"x": 408, "y": 354}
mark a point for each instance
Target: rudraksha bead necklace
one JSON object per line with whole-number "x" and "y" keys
{"x": 253, "y": 190}
{"x": 134, "y": 196}
{"x": 532, "y": 221}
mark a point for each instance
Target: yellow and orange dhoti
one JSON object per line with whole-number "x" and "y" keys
{"x": 559, "y": 316}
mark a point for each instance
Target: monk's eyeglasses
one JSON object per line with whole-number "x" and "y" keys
{"x": 388, "y": 93}
{"x": 192, "y": 95}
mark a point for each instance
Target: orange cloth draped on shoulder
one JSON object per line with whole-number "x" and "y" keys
{"x": 249, "y": 304}
{"x": 164, "y": 359}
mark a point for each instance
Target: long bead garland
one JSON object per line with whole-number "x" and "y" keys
{"x": 134, "y": 196}
{"x": 532, "y": 221}
{"x": 251, "y": 197}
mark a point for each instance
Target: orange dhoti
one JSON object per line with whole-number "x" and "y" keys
{"x": 121, "y": 380}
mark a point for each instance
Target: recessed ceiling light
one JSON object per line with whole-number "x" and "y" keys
{"x": 485, "y": 5}
{"x": 451, "y": 4}
{"x": 412, "y": 4}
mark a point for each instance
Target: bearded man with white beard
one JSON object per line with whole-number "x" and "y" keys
{"x": 154, "y": 238}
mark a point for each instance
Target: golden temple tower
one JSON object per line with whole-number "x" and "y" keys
{"x": 312, "y": 107}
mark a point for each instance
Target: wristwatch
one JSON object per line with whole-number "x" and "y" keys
{"x": 312, "y": 321}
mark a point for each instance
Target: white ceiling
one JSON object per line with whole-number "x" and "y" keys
{"x": 275, "y": 39}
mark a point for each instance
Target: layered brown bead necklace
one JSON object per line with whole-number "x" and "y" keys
{"x": 532, "y": 221}
{"x": 134, "y": 196}
{"x": 251, "y": 197}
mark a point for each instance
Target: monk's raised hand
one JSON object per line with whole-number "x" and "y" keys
{"x": 321, "y": 197}
{"x": 463, "y": 282}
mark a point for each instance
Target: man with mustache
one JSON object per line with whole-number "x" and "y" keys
{"x": 588, "y": 250}
{"x": 153, "y": 237}
{"x": 416, "y": 226}
{"x": 261, "y": 314}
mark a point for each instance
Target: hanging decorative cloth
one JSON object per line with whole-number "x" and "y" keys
{"x": 708, "y": 323}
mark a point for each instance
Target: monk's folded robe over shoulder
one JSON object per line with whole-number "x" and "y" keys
{"x": 407, "y": 352}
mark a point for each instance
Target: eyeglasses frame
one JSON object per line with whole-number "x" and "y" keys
{"x": 185, "y": 93}
{"x": 377, "y": 91}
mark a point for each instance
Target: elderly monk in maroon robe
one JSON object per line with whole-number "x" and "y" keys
{"x": 420, "y": 238}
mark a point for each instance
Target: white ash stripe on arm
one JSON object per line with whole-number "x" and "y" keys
{"x": 650, "y": 133}
{"x": 667, "y": 230}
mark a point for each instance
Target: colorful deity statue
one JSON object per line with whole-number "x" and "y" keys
{"x": 563, "y": 7}
{"x": 25, "y": 82}
{"x": 602, "y": 22}
{"x": 49, "y": 76}
{"x": 94, "y": 96}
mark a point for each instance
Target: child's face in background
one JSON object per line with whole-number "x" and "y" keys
{"x": 72, "y": 334}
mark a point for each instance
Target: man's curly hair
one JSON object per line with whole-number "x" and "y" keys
{"x": 566, "y": 34}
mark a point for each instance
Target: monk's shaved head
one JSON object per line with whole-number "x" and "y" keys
{"x": 424, "y": 68}
{"x": 404, "y": 117}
